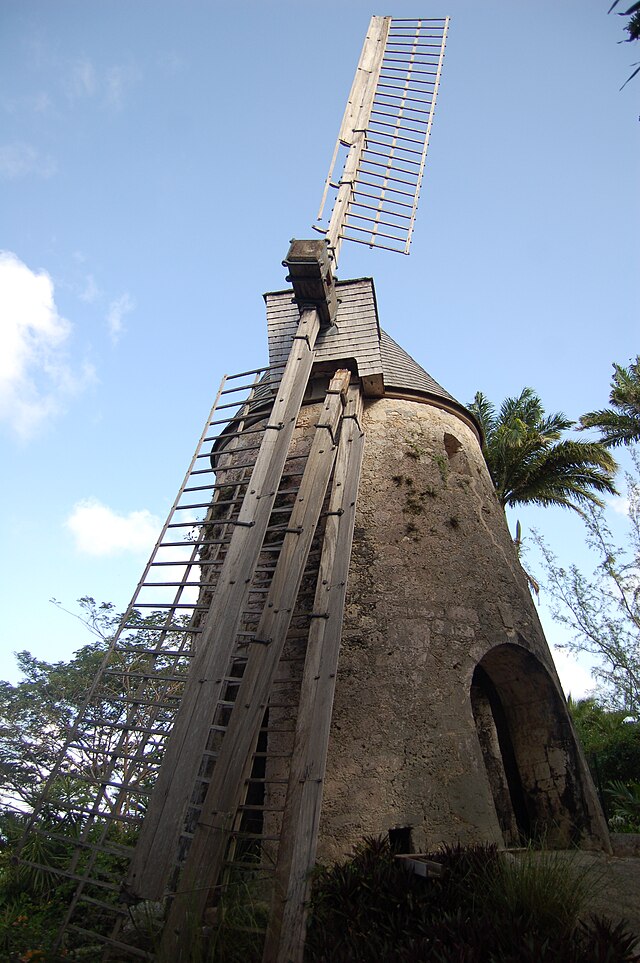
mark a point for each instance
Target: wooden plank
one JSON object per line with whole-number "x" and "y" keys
{"x": 156, "y": 851}
{"x": 297, "y": 851}
{"x": 225, "y": 794}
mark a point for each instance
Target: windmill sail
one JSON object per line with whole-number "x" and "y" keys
{"x": 386, "y": 128}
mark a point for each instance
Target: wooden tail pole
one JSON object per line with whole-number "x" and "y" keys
{"x": 298, "y": 840}
{"x": 157, "y": 845}
{"x": 206, "y": 856}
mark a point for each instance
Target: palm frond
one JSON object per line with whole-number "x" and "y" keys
{"x": 619, "y": 424}
{"x": 570, "y": 474}
{"x": 530, "y": 462}
{"x": 484, "y": 411}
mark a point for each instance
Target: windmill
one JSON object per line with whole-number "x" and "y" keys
{"x": 333, "y": 635}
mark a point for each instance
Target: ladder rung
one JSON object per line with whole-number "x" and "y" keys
{"x": 269, "y": 367}
{"x": 239, "y": 403}
{"x": 267, "y": 782}
{"x": 178, "y": 562}
{"x": 130, "y": 950}
{"x": 239, "y": 834}
{"x": 235, "y": 451}
{"x": 137, "y": 757}
{"x": 169, "y": 606}
{"x": 110, "y": 849}
{"x": 160, "y": 653}
{"x": 103, "y": 884}
{"x": 144, "y": 703}
{"x": 112, "y": 907}
{"x": 163, "y": 630}
{"x": 149, "y": 676}
{"x": 213, "y": 541}
{"x": 185, "y": 584}
{"x": 197, "y": 523}
{"x": 96, "y": 781}
{"x": 129, "y": 727}
{"x": 232, "y": 434}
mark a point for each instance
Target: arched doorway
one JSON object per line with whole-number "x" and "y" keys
{"x": 529, "y": 749}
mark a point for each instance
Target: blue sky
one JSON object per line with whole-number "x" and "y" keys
{"x": 155, "y": 159}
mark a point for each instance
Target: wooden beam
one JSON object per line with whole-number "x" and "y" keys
{"x": 156, "y": 851}
{"x": 204, "y": 861}
{"x": 297, "y": 850}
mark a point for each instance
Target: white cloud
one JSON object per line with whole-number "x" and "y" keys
{"x": 119, "y": 79}
{"x": 117, "y": 310}
{"x": 35, "y": 376}
{"x": 619, "y": 504}
{"x": 40, "y": 102}
{"x": 576, "y": 680}
{"x": 19, "y": 160}
{"x": 81, "y": 81}
{"x": 91, "y": 291}
{"x": 99, "y": 530}
{"x": 108, "y": 88}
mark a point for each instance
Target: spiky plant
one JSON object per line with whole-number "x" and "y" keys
{"x": 619, "y": 424}
{"x": 531, "y": 463}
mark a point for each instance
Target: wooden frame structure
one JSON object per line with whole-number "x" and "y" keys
{"x": 245, "y": 590}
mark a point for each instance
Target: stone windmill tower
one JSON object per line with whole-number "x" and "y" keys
{"x": 333, "y": 636}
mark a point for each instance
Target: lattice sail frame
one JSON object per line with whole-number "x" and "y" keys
{"x": 386, "y": 128}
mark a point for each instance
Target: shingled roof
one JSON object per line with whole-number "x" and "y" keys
{"x": 384, "y": 367}
{"x": 401, "y": 372}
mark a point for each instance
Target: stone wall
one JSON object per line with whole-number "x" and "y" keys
{"x": 435, "y": 589}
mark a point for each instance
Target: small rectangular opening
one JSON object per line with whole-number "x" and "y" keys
{"x": 400, "y": 839}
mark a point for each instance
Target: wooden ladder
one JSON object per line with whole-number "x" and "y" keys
{"x": 336, "y": 448}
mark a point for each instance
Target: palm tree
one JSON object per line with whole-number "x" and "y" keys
{"x": 620, "y": 424}
{"x": 529, "y": 461}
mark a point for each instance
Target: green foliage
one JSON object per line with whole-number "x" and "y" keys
{"x": 35, "y": 894}
{"x": 530, "y": 462}
{"x": 610, "y": 738}
{"x": 38, "y": 712}
{"x": 32, "y": 901}
{"x": 632, "y": 28}
{"x": 602, "y": 610}
{"x": 40, "y": 744}
{"x": 485, "y": 907}
{"x": 619, "y": 424}
{"x": 625, "y": 800}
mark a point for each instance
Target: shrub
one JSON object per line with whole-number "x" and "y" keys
{"x": 485, "y": 907}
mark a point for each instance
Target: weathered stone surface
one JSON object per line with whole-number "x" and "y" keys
{"x": 437, "y": 602}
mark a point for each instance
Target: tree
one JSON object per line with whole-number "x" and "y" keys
{"x": 530, "y": 462}
{"x": 632, "y": 27}
{"x": 37, "y": 713}
{"x": 602, "y": 610}
{"x": 610, "y": 738}
{"x": 40, "y": 743}
{"x": 620, "y": 424}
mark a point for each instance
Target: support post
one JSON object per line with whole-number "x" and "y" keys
{"x": 205, "y": 859}
{"x": 157, "y": 845}
{"x": 298, "y": 839}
